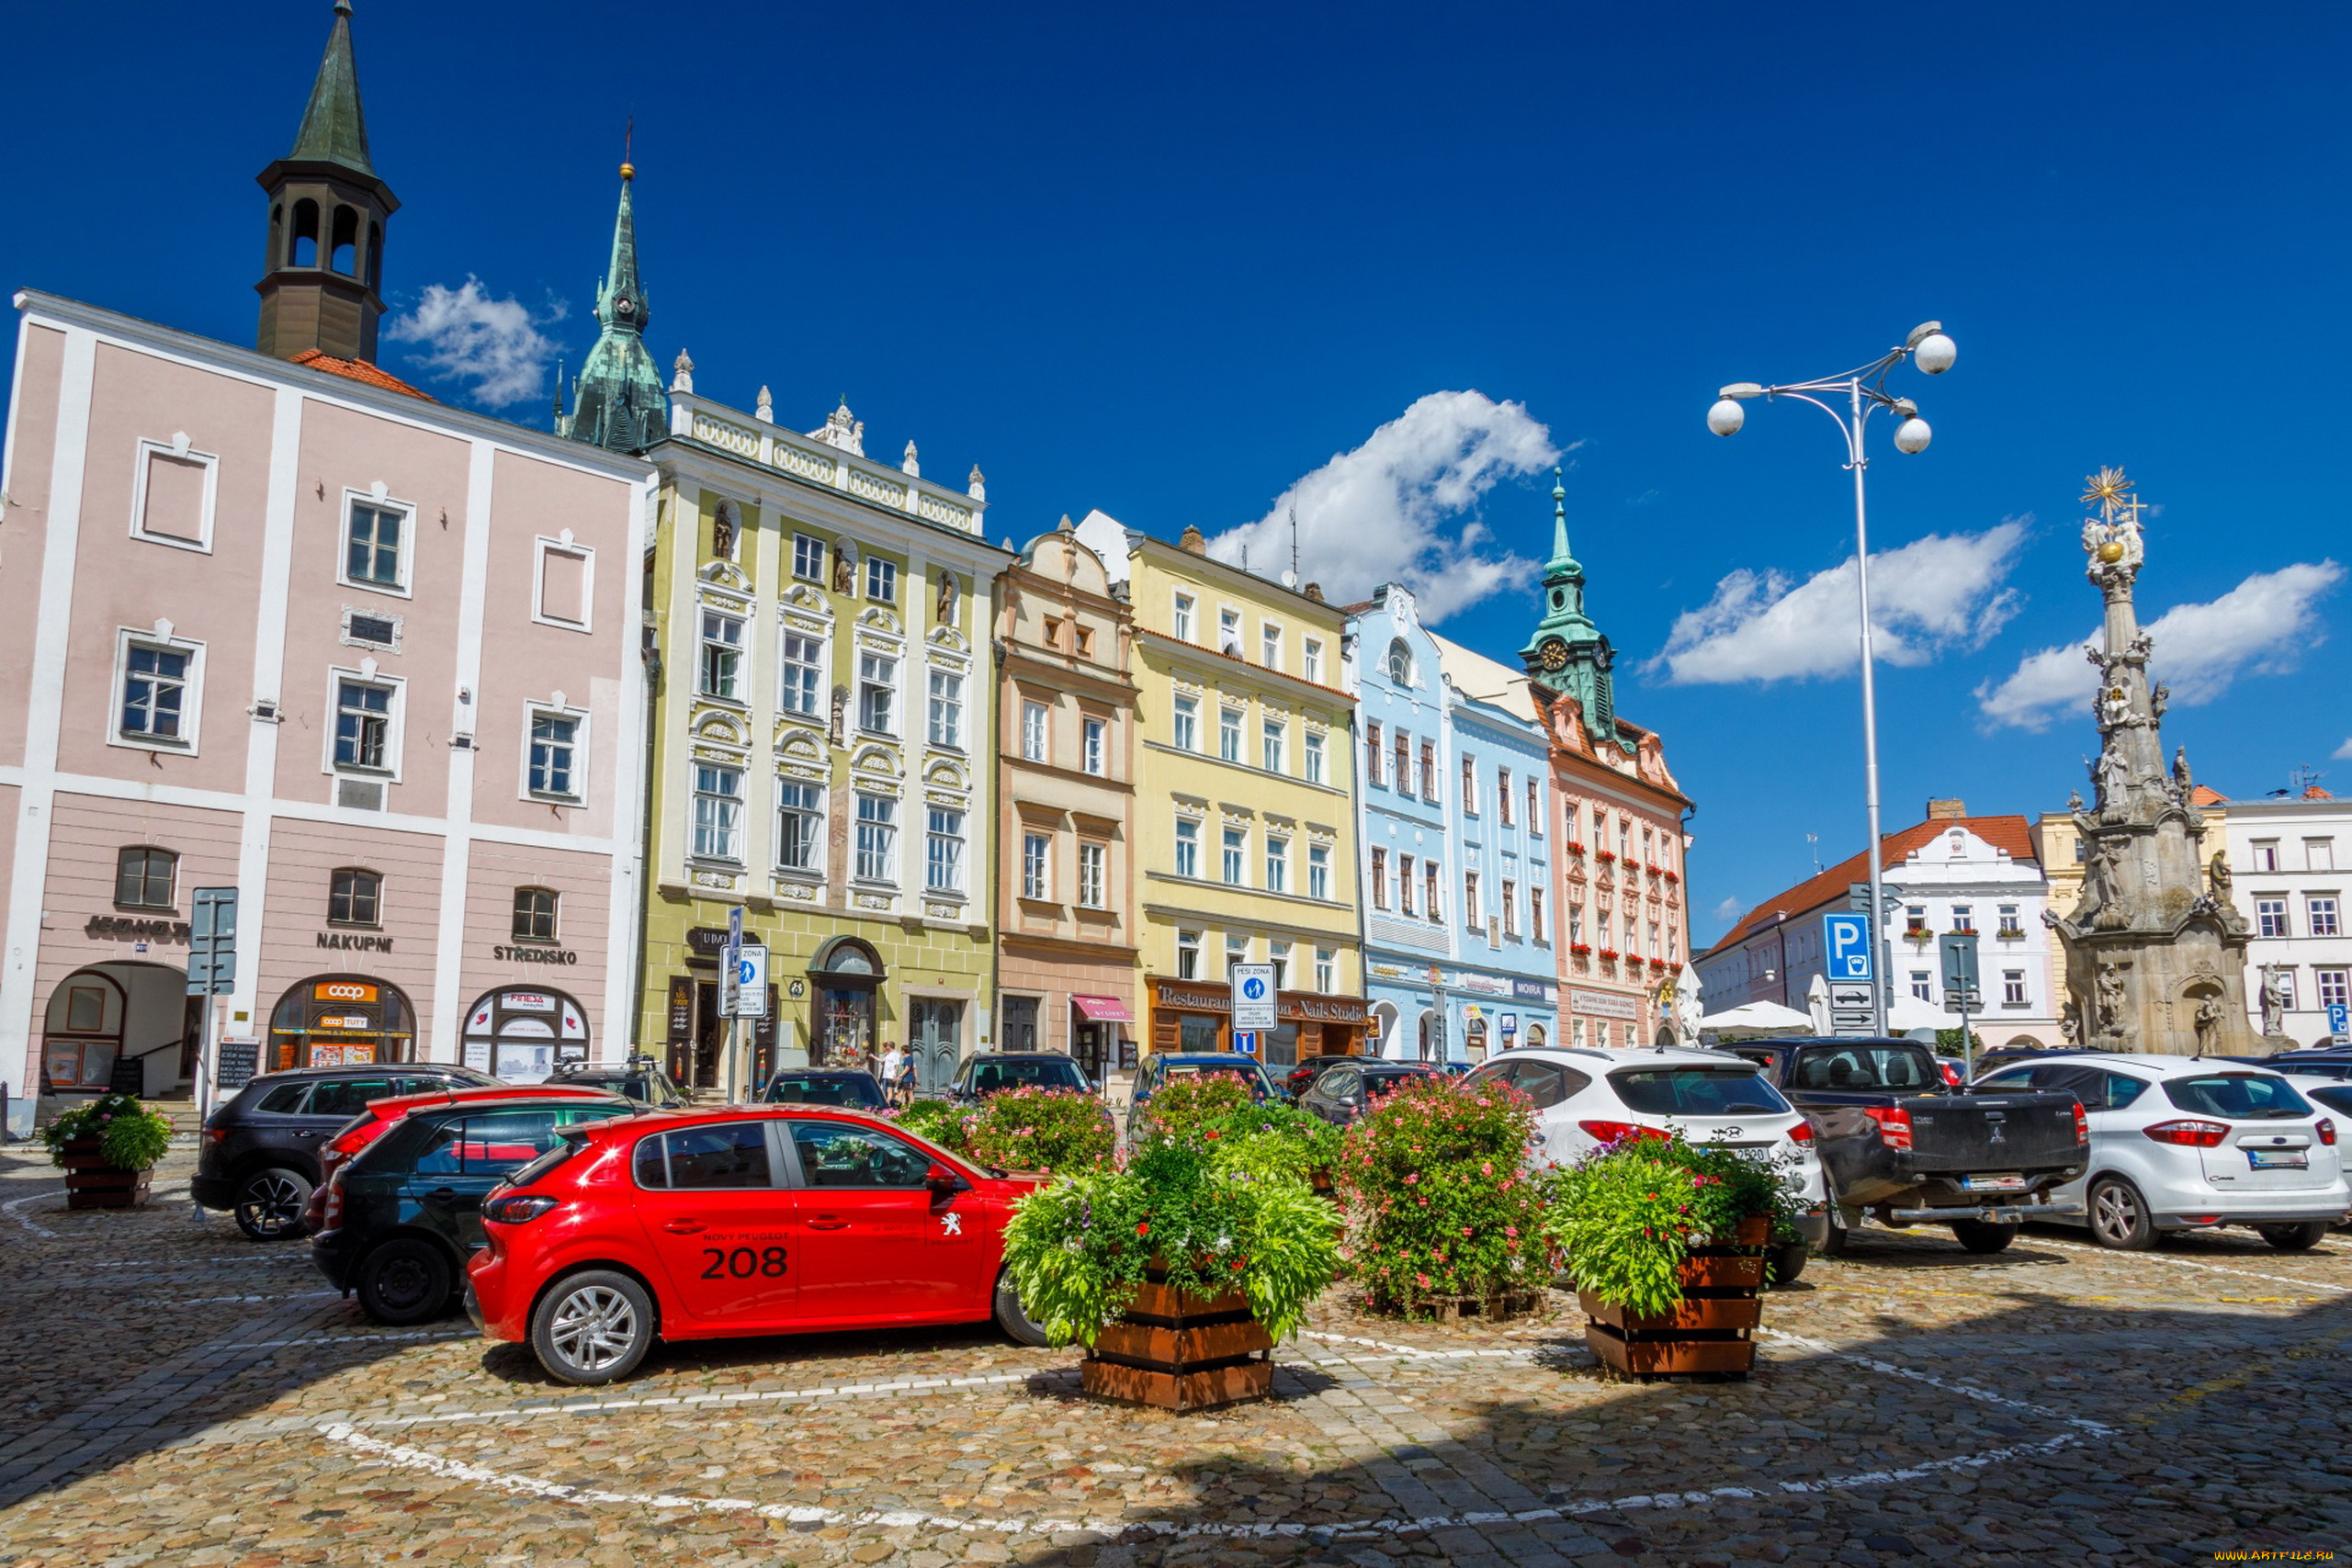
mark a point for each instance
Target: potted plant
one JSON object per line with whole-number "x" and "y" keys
{"x": 1605, "y": 856}
{"x": 1444, "y": 1218}
{"x": 940, "y": 1120}
{"x": 1275, "y": 1143}
{"x": 1666, "y": 1242}
{"x": 108, "y": 1149}
{"x": 1038, "y": 1130}
{"x": 1574, "y": 848}
{"x": 1175, "y": 1269}
{"x": 1182, "y": 1107}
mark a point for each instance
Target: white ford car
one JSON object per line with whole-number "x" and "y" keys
{"x": 1585, "y": 1098}
{"x": 2179, "y": 1143}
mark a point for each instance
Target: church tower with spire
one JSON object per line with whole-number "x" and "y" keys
{"x": 1567, "y": 656}
{"x": 618, "y": 402}
{"x": 324, "y": 267}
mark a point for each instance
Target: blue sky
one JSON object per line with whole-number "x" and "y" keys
{"x": 1175, "y": 262}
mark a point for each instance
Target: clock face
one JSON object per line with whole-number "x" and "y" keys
{"x": 1553, "y": 655}
{"x": 626, "y": 306}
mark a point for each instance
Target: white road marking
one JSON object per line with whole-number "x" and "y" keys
{"x": 13, "y": 1204}
{"x": 2187, "y": 1263}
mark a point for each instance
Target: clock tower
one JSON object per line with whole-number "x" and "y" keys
{"x": 1567, "y": 655}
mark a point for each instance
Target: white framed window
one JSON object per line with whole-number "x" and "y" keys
{"x": 881, "y": 580}
{"x": 1278, "y": 954}
{"x": 1180, "y": 618}
{"x": 1964, "y": 919}
{"x": 1319, "y": 871}
{"x": 877, "y": 838}
{"x": 799, "y": 825}
{"x": 563, "y": 583}
{"x": 719, "y": 812}
{"x": 2285, "y": 977}
{"x": 2265, "y": 854}
{"x": 800, "y": 682}
{"x": 878, "y": 694}
{"x": 1186, "y": 712}
{"x": 1405, "y": 885}
{"x": 172, "y": 494}
{"x": 1510, "y": 914}
{"x": 1921, "y": 986}
{"x": 376, "y": 543}
{"x": 1275, "y": 749}
{"x": 1037, "y": 866}
{"x": 1034, "y": 739}
{"x": 1188, "y": 955}
{"x": 2270, "y": 917}
{"x": 1534, "y": 810}
{"x": 1327, "y": 969}
{"x": 1090, "y": 862}
{"x": 1535, "y": 914}
{"x": 722, "y": 656}
{"x": 2320, "y": 910}
{"x": 1372, "y": 753}
{"x": 1236, "y": 952}
{"x": 157, "y": 686}
{"x": 946, "y": 709}
{"x": 1310, "y": 664}
{"x": 1472, "y": 910}
{"x": 1432, "y": 892}
{"x": 943, "y": 854}
{"x": 2334, "y": 986}
{"x": 1228, "y": 630}
{"x": 1228, "y": 734}
{"x": 1095, "y": 747}
{"x": 2319, "y": 854}
{"x": 1277, "y": 864}
{"x": 1379, "y": 877}
{"x": 1314, "y": 758}
{"x": 551, "y": 763}
{"x": 366, "y": 737}
{"x": 1575, "y": 925}
{"x": 1270, "y": 645}
{"x": 808, "y": 558}
{"x": 1188, "y": 847}
{"x": 2013, "y": 987}
{"x": 1502, "y": 795}
{"x": 1235, "y": 867}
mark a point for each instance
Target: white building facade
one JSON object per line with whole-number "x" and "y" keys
{"x": 2285, "y": 858}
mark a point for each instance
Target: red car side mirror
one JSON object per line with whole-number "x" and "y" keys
{"x": 944, "y": 1183}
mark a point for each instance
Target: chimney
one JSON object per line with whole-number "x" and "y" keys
{"x": 1947, "y": 810}
{"x": 1194, "y": 541}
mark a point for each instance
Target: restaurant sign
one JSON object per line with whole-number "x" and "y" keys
{"x": 1604, "y": 1004}
{"x": 1178, "y": 996}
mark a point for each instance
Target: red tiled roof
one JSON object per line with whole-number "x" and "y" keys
{"x": 2013, "y": 835}
{"x": 358, "y": 370}
{"x": 2205, "y": 795}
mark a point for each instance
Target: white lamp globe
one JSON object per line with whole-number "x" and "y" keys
{"x": 1912, "y": 434}
{"x": 1726, "y": 417}
{"x": 1935, "y": 354}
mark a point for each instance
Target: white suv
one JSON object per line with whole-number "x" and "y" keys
{"x": 2181, "y": 1143}
{"x": 1585, "y": 1098}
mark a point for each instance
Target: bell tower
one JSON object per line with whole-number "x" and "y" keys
{"x": 322, "y": 273}
{"x": 1567, "y": 654}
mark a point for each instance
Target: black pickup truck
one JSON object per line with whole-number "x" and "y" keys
{"x": 1896, "y": 1143}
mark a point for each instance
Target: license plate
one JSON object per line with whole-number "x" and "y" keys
{"x": 2278, "y": 1159}
{"x": 2003, "y": 1183}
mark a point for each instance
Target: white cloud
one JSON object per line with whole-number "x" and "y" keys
{"x": 495, "y": 344}
{"x": 2344, "y": 752}
{"x": 1400, "y": 507}
{"x": 1729, "y": 910}
{"x": 1935, "y": 593}
{"x": 2259, "y": 627}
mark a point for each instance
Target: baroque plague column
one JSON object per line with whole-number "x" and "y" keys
{"x": 2156, "y": 955}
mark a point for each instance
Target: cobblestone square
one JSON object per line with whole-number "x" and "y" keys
{"x": 180, "y": 1395}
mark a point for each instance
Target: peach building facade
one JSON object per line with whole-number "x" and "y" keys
{"x": 371, "y": 660}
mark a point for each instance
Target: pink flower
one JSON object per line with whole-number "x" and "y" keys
{"x": 1510, "y": 1230}
{"x": 1422, "y": 1280}
{"x": 1487, "y": 1167}
{"x": 1413, "y": 1179}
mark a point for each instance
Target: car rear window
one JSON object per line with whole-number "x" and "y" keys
{"x": 2335, "y": 1096}
{"x": 492, "y": 1144}
{"x": 1057, "y": 1072}
{"x": 1696, "y": 1091}
{"x": 1867, "y": 1066}
{"x": 348, "y": 1096}
{"x": 2239, "y": 1095}
{"x": 284, "y": 1100}
{"x": 856, "y": 1092}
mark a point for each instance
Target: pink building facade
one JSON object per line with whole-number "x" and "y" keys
{"x": 371, "y": 660}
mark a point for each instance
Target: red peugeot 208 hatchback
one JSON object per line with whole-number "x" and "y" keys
{"x": 751, "y": 1220}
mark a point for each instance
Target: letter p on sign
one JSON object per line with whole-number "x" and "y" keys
{"x": 1845, "y": 941}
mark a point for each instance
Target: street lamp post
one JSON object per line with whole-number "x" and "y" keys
{"x": 1863, "y": 390}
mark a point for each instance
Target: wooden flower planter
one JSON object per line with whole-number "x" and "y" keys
{"x": 91, "y": 1183}
{"x": 1708, "y": 1331}
{"x": 1181, "y": 1351}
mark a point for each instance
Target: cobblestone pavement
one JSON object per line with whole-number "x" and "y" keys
{"x": 171, "y": 1393}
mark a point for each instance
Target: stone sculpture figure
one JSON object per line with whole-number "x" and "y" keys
{"x": 2273, "y": 1001}
{"x": 2217, "y": 871}
{"x": 2209, "y": 1023}
{"x": 947, "y": 591}
{"x": 2070, "y": 1024}
{"x": 845, "y": 567}
{"x": 2114, "y": 778}
{"x": 2110, "y": 999}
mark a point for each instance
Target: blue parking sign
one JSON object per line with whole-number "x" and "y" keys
{"x": 1845, "y": 941}
{"x": 2340, "y": 1019}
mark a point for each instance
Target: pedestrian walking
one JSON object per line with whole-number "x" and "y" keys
{"x": 894, "y": 1072}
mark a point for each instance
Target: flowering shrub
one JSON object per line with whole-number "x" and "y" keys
{"x": 1606, "y": 856}
{"x": 1625, "y": 1216}
{"x": 1441, "y": 1204}
{"x": 1182, "y": 1106}
{"x": 1078, "y": 1248}
{"x": 1608, "y": 955}
{"x": 1060, "y": 1129}
{"x": 130, "y": 1136}
{"x": 936, "y": 1120}
{"x": 1271, "y": 1142}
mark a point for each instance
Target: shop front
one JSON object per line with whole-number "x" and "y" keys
{"x": 1435, "y": 1012}
{"x": 523, "y": 1035}
{"x": 1098, "y": 1028}
{"x": 1197, "y": 1015}
{"x": 330, "y": 1021}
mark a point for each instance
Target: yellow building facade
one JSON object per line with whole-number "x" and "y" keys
{"x": 1244, "y": 822}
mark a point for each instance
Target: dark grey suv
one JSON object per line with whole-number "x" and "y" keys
{"x": 260, "y": 1153}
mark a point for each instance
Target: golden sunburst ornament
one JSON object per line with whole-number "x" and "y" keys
{"x": 2108, "y": 488}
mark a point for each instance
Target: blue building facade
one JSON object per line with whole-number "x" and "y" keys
{"x": 1452, "y": 791}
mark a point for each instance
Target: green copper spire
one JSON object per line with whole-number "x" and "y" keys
{"x": 334, "y": 131}
{"x": 1568, "y": 653}
{"x": 619, "y": 403}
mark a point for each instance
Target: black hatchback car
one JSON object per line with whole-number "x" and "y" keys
{"x": 404, "y": 1215}
{"x": 259, "y": 1156}
{"x": 994, "y": 1071}
{"x": 641, "y": 1080}
{"x": 851, "y": 1089}
{"x": 1343, "y": 1091}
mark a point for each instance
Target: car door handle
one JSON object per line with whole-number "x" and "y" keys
{"x": 441, "y": 1197}
{"x": 828, "y": 1223}
{"x": 308, "y": 1133}
{"x": 685, "y": 1227}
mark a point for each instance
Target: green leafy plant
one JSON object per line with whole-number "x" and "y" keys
{"x": 1079, "y": 1248}
{"x": 1271, "y": 1142}
{"x": 1626, "y": 1215}
{"x": 1440, "y": 1203}
{"x": 1182, "y": 1107}
{"x": 1060, "y": 1129}
{"x": 130, "y": 1136}
{"x": 936, "y": 1120}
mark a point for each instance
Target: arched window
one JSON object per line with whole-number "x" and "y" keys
{"x": 304, "y": 251}
{"x": 143, "y": 878}
{"x": 534, "y": 914}
{"x": 1400, "y": 663}
{"x": 354, "y": 898}
{"x": 344, "y": 252}
{"x": 1535, "y": 1035}
{"x": 374, "y": 255}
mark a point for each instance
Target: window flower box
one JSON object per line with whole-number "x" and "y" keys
{"x": 1581, "y": 949}
{"x": 1669, "y": 876}
{"x": 2010, "y": 933}
{"x": 1574, "y": 848}
{"x": 1608, "y": 955}
{"x": 1605, "y": 857}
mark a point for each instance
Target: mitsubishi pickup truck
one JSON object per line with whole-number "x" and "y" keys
{"x": 1896, "y": 1143}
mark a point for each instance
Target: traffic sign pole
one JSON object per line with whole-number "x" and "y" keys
{"x": 212, "y": 973}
